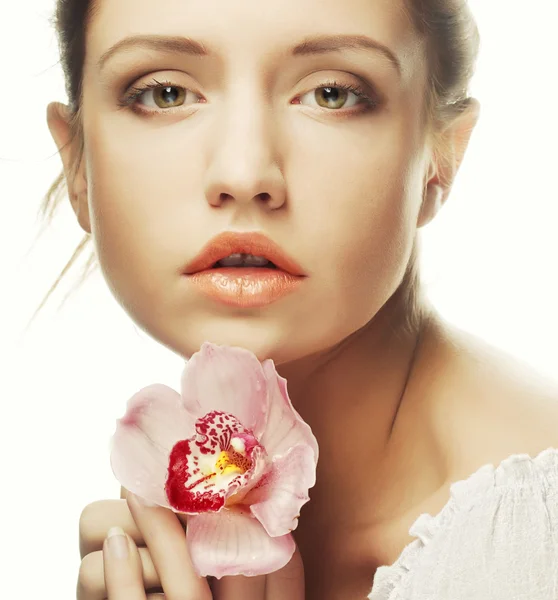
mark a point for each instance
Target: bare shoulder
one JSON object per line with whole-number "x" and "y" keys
{"x": 499, "y": 405}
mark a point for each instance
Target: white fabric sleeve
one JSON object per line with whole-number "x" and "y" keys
{"x": 496, "y": 539}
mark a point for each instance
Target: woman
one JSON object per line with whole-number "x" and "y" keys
{"x": 335, "y": 129}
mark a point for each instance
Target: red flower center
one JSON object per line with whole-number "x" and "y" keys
{"x": 212, "y": 465}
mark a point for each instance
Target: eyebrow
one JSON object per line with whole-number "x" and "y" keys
{"x": 312, "y": 45}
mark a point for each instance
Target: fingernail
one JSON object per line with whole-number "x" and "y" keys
{"x": 117, "y": 542}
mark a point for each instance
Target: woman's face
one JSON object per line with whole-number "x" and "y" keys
{"x": 247, "y": 140}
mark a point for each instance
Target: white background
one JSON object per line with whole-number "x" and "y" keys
{"x": 489, "y": 262}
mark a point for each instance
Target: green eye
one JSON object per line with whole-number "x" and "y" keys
{"x": 331, "y": 97}
{"x": 157, "y": 94}
{"x": 169, "y": 96}
{"x": 334, "y": 95}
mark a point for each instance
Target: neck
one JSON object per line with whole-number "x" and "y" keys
{"x": 351, "y": 396}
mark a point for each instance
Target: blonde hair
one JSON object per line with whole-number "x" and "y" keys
{"x": 452, "y": 48}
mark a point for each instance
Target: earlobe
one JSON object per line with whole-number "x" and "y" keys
{"x": 432, "y": 203}
{"x": 58, "y": 120}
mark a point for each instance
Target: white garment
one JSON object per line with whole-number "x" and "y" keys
{"x": 496, "y": 539}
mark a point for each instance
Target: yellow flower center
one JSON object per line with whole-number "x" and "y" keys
{"x": 230, "y": 461}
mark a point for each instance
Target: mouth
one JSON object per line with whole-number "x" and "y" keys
{"x": 244, "y": 261}
{"x": 231, "y": 250}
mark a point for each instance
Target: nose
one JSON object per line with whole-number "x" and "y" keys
{"x": 243, "y": 166}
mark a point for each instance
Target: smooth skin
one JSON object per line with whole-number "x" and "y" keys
{"x": 398, "y": 415}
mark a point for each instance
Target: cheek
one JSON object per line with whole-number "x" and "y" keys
{"x": 363, "y": 214}
{"x": 142, "y": 207}
{"x": 369, "y": 250}
{"x": 139, "y": 182}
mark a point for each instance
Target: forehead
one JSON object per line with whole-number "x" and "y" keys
{"x": 255, "y": 27}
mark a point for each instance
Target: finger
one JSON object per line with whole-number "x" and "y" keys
{"x": 122, "y": 567}
{"x": 91, "y": 580}
{"x": 247, "y": 588}
{"x": 165, "y": 538}
{"x": 287, "y": 583}
{"x": 98, "y": 517}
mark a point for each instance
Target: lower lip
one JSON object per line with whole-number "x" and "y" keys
{"x": 245, "y": 287}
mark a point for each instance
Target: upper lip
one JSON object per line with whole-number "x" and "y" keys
{"x": 254, "y": 243}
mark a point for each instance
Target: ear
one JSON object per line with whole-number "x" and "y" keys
{"x": 444, "y": 166}
{"x": 58, "y": 119}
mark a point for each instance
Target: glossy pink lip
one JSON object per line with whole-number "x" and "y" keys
{"x": 245, "y": 287}
{"x": 255, "y": 243}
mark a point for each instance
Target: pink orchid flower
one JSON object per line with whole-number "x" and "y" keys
{"x": 230, "y": 452}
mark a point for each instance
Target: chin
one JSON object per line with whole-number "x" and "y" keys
{"x": 265, "y": 340}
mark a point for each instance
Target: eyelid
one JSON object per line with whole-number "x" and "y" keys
{"x": 361, "y": 90}
{"x": 128, "y": 100}
{"x": 368, "y": 93}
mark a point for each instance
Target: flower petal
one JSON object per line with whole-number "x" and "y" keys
{"x": 285, "y": 428}
{"x": 227, "y": 379}
{"x": 233, "y": 542}
{"x": 276, "y": 503}
{"x": 155, "y": 420}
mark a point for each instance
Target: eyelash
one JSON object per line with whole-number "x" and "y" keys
{"x": 134, "y": 93}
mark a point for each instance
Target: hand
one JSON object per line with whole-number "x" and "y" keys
{"x": 161, "y": 567}
{"x": 96, "y": 573}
